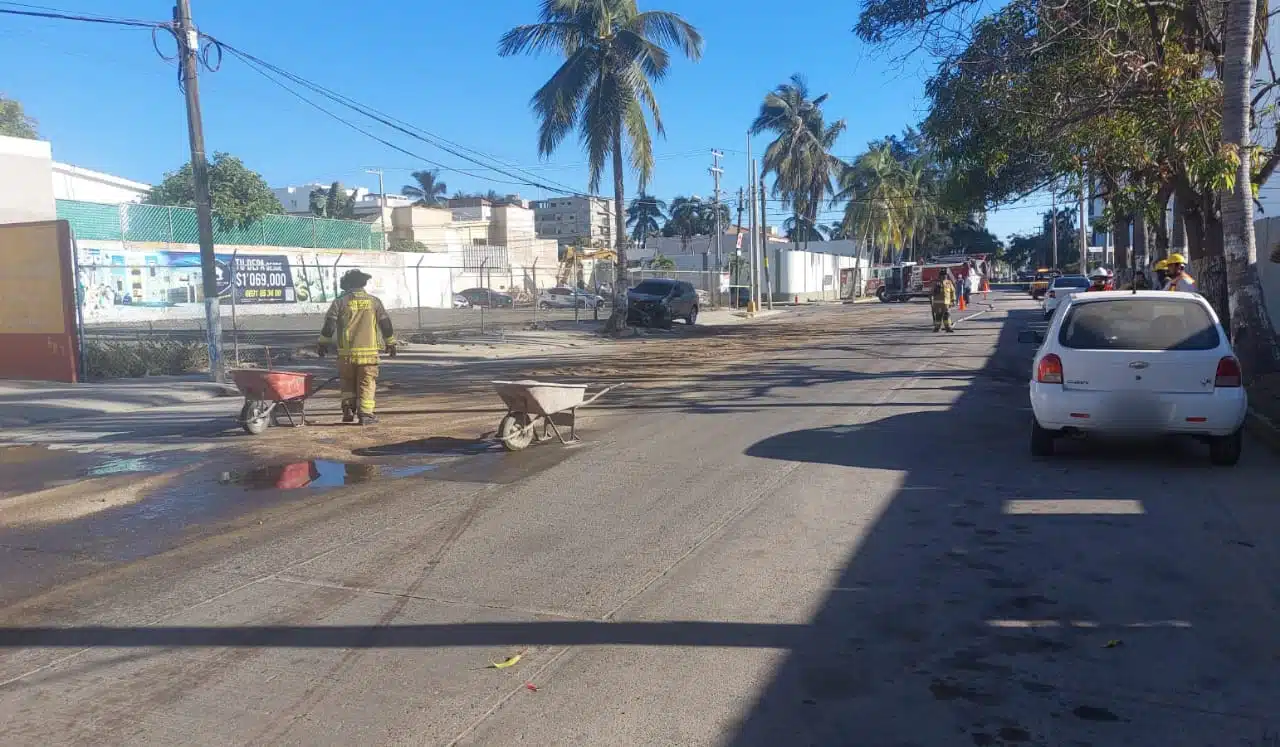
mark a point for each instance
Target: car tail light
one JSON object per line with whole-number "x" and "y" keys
{"x": 1228, "y": 373}
{"x": 1049, "y": 371}
{"x": 1053, "y": 294}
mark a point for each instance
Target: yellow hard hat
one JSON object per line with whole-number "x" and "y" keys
{"x": 1161, "y": 265}
{"x": 1177, "y": 259}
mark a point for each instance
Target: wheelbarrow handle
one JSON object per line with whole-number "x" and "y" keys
{"x": 323, "y": 384}
{"x": 600, "y": 394}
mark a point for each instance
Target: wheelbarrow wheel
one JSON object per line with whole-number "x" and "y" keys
{"x": 255, "y": 416}
{"x": 516, "y": 431}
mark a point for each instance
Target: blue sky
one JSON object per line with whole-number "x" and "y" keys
{"x": 108, "y": 102}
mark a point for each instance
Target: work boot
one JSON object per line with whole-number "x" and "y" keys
{"x": 937, "y": 329}
{"x": 368, "y": 418}
{"x": 348, "y": 413}
{"x": 951, "y": 329}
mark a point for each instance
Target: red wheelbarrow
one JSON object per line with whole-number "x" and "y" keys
{"x": 274, "y": 397}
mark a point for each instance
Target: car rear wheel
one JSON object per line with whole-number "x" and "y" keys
{"x": 1224, "y": 451}
{"x": 693, "y": 316}
{"x": 1042, "y": 440}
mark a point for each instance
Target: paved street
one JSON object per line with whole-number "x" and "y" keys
{"x": 841, "y": 539}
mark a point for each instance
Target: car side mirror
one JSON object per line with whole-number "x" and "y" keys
{"x": 1031, "y": 335}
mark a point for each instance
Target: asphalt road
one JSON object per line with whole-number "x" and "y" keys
{"x": 846, "y": 544}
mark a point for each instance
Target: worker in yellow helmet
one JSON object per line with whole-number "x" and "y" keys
{"x": 1161, "y": 269}
{"x": 1179, "y": 278}
{"x": 359, "y": 327}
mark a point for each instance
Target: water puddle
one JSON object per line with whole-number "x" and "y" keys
{"x": 316, "y": 474}
{"x": 34, "y": 468}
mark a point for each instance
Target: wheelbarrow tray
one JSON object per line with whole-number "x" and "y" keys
{"x": 540, "y": 397}
{"x": 272, "y": 385}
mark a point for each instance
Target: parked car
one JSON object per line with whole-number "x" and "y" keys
{"x": 568, "y": 298}
{"x": 489, "y": 299}
{"x": 1062, "y": 288}
{"x": 1145, "y": 362}
{"x": 659, "y": 301}
{"x": 460, "y": 301}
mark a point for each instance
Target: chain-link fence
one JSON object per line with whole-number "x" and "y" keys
{"x": 134, "y": 223}
{"x": 148, "y": 319}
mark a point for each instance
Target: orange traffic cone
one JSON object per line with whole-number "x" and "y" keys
{"x": 962, "y": 302}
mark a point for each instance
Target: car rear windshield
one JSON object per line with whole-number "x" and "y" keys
{"x": 654, "y": 287}
{"x": 1071, "y": 282}
{"x": 1139, "y": 324}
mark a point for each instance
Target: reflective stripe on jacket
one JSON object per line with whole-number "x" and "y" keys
{"x": 360, "y": 327}
{"x": 1184, "y": 282}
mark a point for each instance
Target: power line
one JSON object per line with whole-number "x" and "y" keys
{"x": 39, "y": 11}
{"x": 403, "y": 127}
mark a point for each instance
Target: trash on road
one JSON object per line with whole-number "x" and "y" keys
{"x": 531, "y": 687}
{"x": 1115, "y": 642}
{"x": 506, "y": 663}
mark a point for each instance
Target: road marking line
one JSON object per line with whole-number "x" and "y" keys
{"x": 1073, "y": 506}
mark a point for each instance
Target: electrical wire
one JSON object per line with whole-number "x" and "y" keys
{"x": 400, "y": 126}
{"x": 39, "y": 11}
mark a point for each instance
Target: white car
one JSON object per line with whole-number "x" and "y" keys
{"x": 567, "y": 298}
{"x": 1062, "y": 288}
{"x": 460, "y": 301}
{"x": 1140, "y": 363}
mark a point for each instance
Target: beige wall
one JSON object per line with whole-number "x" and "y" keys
{"x": 26, "y": 180}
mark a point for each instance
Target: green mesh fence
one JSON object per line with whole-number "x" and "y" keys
{"x": 175, "y": 225}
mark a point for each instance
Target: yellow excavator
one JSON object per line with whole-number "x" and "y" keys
{"x": 572, "y": 259}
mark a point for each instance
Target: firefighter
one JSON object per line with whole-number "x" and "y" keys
{"x": 1100, "y": 280}
{"x": 1179, "y": 278}
{"x": 941, "y": 297}
{"x": 1161, "y": 269}
{"x": 355, "y": 323}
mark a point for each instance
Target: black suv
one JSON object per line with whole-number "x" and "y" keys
{"x": 656, "y": 302}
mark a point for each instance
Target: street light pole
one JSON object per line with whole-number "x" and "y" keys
{"x": 382, "y": 207}
{"x": 188, "y": 49}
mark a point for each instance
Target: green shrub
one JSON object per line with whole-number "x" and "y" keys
{"x": 119, "y": 359}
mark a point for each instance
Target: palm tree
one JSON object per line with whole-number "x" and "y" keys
{"x": 1252, "y": 334}
{"x": 686, "y": 220}
{"x": 800, "y": 155}
{"x": 613, "y": 54}
{"x": 876, "y": 208}
{"x": 800, "y": 229}
{"x": 429, "y": 190}
{"x": 645, "y": 216}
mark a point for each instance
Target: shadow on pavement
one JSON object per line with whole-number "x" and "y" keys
{"x": 1000, "y": 599}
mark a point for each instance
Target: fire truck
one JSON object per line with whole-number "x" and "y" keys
{"x": 908, "y": 280}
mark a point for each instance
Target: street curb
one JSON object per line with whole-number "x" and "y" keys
{"x": 1263, "y": 429}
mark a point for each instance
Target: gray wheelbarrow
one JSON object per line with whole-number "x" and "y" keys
{"x": 537, "y": 409}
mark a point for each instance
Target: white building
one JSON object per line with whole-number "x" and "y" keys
{"x": 575, "y": 220}
{"x": 296, "y": 200}
{"x": 76, "y": 183}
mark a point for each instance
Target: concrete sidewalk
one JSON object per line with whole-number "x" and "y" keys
{"x": 25, "y": 403}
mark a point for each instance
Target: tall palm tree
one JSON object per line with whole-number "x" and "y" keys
{"x": 613, "y": 54}
{"x": 429, "y": 191}
{"x": 876, "y": 208}
{"x": 1252, "y": 335}
{"x": 645, "y": 216}
{"x": 800, "y": 155}
{"x": 686, "y": 221}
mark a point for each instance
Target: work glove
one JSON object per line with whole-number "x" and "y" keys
{"x": 391, "y": 350}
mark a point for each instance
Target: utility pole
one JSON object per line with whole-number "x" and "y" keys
{"x": 1053, "y": 224}
{"x": 764, "y": 249}
{"x": 716, "y": 171}
{"x": 188, "y": 49}
{"x": 382, "y": 206}
{"x": 1084, "y": 234}
{"x": 751, "y": 191}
